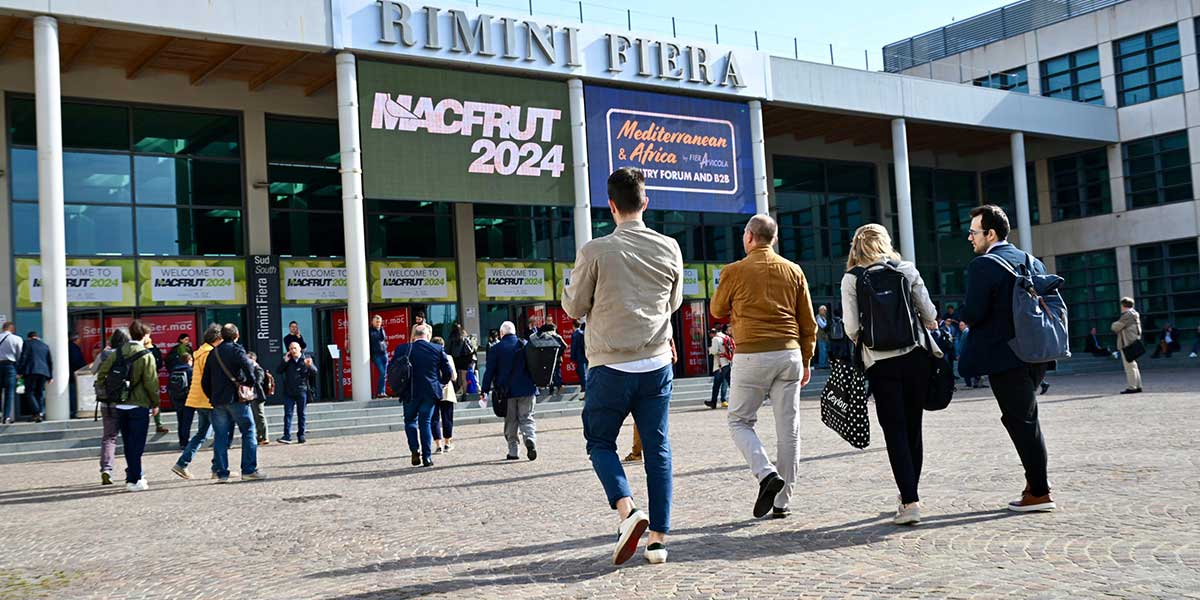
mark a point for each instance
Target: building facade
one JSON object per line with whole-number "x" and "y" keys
{"x": 324, "y": 161}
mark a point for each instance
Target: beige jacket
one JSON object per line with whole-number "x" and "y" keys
{"x": 627, "y": 284}
{"x": 1128, "y": 328}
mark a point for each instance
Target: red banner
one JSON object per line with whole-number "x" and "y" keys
{"x": 695, "y": 350}
{"x": 165, "y": 332}
{"x": 91, "y": 337}
{"x": 341, "y": 338}
{"x": 566, "y": 328}
{"x": 396, "y": 326}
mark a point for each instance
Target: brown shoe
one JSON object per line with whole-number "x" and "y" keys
{"x": 633, "y": 457}
{"x": 162, "y": 429}
{"x": 1031, "y": 503}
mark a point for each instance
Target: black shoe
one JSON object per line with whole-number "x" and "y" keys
{"x": 1132, "y": 391}
{"x": 428, "y": 462}
{"x": 531, "y": 449}
{"x": 301, "y": 440}
{"x": 512, "y": 457}
{"x": 768, "y": 488}
{"x": 780, "y": 513}
{"x": 1045, "y": 388}
{"x": 711, "y": 404}
{"x": 416, "y": 459}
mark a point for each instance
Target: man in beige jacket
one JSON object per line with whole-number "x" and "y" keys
{"x": 1129, "y": 330}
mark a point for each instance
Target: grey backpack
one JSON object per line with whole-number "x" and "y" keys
{"x": 1039, "y": 314}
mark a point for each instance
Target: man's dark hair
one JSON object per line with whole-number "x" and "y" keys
{"x": 212, "y": 333}
{"x": 138, "y": 330}
{"x": 8, "y": 325}
{"x": 119, "y": 338}
{"x": 627, "y": 189}
{"x": 548, "y": 327}
{"x": 229, "y": 332}
{"x": 290, "y": 323}
{"x": 31, "y": 334}
{"x": 183, "y": 336}
{"x": 993, "y": 218}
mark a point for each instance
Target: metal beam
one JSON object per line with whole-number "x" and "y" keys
{"x": 199, "y": 75}
{"x": 68, "y": 59}
{"x": 139, "y": 62}
{"x": 275, "y": 70}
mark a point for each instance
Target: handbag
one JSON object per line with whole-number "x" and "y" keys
{"x": 844, "y": 403}
{"x": 1134, "y": 351}
{"x": 245, "y": 393}
{"x": 500, "y": 401}
{"x": 941, "y": 379}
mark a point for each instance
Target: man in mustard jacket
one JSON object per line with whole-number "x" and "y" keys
{"x": 198, "y": 401}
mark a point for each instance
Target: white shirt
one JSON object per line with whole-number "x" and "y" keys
{"x": 717, "y": 349}
{"x": 997, "y": 244}
{"x": 644, "y": 365}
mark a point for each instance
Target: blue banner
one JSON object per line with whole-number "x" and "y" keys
{"x": 695, "y": 152}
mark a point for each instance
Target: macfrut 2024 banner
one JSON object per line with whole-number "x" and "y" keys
{"x": 455, "y": 136}
{"x": 694, "y": 152}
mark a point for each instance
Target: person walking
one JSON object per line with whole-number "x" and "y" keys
{"x": 299, "y": 379}
{"x": 550, "y": 331}
{"x": 899, "y": 378}
{"x": 108, "y": 411}
{"x": 773, "y": 319}
{"x": 379, "y": 353}
{"x": 75, "y": 361}
{"x": 822, "y": 337}
{"x": 179, "y": 384}
{"x": 988, "y": 311}
{"x": 441, "y": 424}
{"x": 198, "y": 402}
{"x": 264, "y": 385}
{"x": 722, "y": 360}
{"x": 430, "y": 372}
{"x": 159, "y": 365}
{"x": 183, "y": 347}
{"x": 960, "y": 343}
{"x": 228, "y": 370}
{"x": 1129, "y": 331}
{"x": 137, "y": 400}
{"x": 11, "y": 346}
{"x": 628, "y": 284}
{"x": 37, "y": 367}
{"x": 506, "y": 373}
{"x": 579, "y": 354}
{"x": 462, "y": 349}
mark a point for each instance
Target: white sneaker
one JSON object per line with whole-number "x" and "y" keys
{"x": 907, "y": 514}
{"x": 1192, "y": 355}
{"x": 140, "y": 486}
{"x": 629, "y": 533}
{"x": 1116, "y": 355}
{"x": 656, "y": 553}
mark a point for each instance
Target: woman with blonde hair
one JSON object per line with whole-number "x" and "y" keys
{"x": 898, "y": 371}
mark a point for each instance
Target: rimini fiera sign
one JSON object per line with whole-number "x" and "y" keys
{"x": 448, "y": 31}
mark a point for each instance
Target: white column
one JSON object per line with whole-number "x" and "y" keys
{"x": 758, "y": 152}
{"x": 903, "y": 191}
{"x": 352, "y": 221}
{"x": 579, "y": 164}
{"x": 52, "y": 231}
{"x": 1024, "y": 224}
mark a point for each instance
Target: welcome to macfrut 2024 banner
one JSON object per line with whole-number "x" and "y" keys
{"x": 695, "y": 152}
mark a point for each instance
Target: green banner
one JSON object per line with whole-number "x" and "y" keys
{"x": 90, "y": 282}
{"x": 694, "y": 287}
{"x": 414, "y": 281}
{"x": 313, "y": 281}
{"x": 457, "y": 136}
{"x": 191, "y": 282}
{"x": 562, "y": 277}
{"x": 500, "y": 281}
{"x": 713, "y": 278}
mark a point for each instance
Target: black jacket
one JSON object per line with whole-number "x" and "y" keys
{"x": 378, "y": 342}
{"x": 75, "y": 355}
{"x": 289, "y": 338}
{"x": 35, "y": 359}
{"x": 988, "y": 311}
{"x": 297, "y": 377}
{"x": 430, "y": 370}
{"x": 216, "y": 384}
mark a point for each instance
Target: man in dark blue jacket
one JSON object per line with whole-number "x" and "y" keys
{"x": 506, "y": 371}
{"x": 37, "y": 367}
{"x": 430, "y": 374}
{"x": 299, "y": 376}
{"x": 227, "y": 366}
{"x": 988, "y": 312}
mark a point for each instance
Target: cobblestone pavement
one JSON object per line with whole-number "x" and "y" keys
{"x": 348, "y": 518}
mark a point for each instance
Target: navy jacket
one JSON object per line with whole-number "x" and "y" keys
{"x": 75, "y": 355}
{"x": 378, "y": 342}
{"x": 35, "y": 359}
{"x": 296, "y": 376}
{"x": 988, "y": 312}
{"x": 430, "y": 370}
{"x": 578, "y": 347}
{"x": 506, "y": 368}
{"x": 216, "y": 384}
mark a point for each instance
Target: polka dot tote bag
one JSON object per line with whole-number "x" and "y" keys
{"x": 844, "y": 403}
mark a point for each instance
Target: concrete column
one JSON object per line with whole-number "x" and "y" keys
{"x": 1041, "y": 172}
{"x": 903, "y": 191}
{"x": 758, "y": 152}
{"x": 1125, "y": 271}
{"x": 1116, "y": 177}
{"x": 51, "y": 226}
{"x": 579, "y": 164}
{"x": 884, "y": 185}
{"x": 1033, "y": 72}
{"x": 258, "y": 201}
{"x": 468, "y": 286}
{"x": 352, "y": 222}
{"x": 1024, "y": 223}
{"x": 8, "y": 296}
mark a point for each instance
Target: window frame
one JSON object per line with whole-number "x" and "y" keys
{"x": 1152, "y": 83}
{"x": 1089, "y": 271}
{"x": 1161, "y": 188}
{"x": 1168, "y": 295}
{"x": 1008, "y": 80}
{"x": 1080, "y": 185}
{"x": 1072, "y": 72}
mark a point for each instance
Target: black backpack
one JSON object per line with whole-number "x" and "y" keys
{"x": 542, "y": 355}
{"x": 837, "y": 329}
{"x": 120, "y": 374}
{"x": 178, "y": 385}
{"x": 885, "y": 307}
{"x": 399, "y": 375}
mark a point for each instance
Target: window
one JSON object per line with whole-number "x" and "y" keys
{"x": 1157, "y": 170}
{"x": 942, "y": 203}
{"x": 1074, "y": 76}
{"x": 998, "y": 189}
{"x": 136, "y": 181}
{"x": 1147, "y": 66}
{"x": 304, "y": 187}
{"x": 1079, "y": 185}
{"x": 519, "y": 232}
{"x": 410, "y": 229}
{"x": 1014, "y": 80}
{"x": 1091, "y": 292}
{"x": 1166, "y": 279}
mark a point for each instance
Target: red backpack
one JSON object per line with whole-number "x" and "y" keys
{"x": 730, "y": 348}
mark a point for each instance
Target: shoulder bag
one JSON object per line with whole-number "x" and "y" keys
{"x": 245, "y": 393}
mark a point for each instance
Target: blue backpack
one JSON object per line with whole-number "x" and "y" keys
{"x": 1039, "y": 314}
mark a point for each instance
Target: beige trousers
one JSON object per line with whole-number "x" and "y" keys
{"x": 1133, "y": 377}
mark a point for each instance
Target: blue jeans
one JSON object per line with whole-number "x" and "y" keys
{"x": 184, "y": 415}
{"x": 720, "y": 385}
{"x": 133, "y": 423}
{"x": 581, "y": 368}
{"x": 823, "y": 351}
{"x": 8, "y": 390}
{"x": 203, "y": 422}
{"x": 615, "y": 395}
{"x": 417, "y": 421}
{"x": 35, "y": 388}
{"x": 380, "y": 362}
{"x": 299, "y": 402}
{"x": 224, "y": 417}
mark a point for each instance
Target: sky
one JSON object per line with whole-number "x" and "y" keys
{"x": 852, "y": 26}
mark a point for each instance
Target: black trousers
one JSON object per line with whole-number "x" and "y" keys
{"x": 900, "y": 386}
{"x": 1015, "y": 391}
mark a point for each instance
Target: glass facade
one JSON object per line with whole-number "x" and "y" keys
{"x": 1091, "y": 291}
{"x": 997, "y": 187}
{"x": 1166, "y": 281}
{"x": 305, "y": 188}
{"x": 1148, "y": 66}
{"x": 1157, "y": 170}
{"x": 1079, "y": 185}
{"x": 1074, "y": 76}
{"x": 524, "y": 232}
{"x": 136, "y": 181}
{"x": 1013, "y": 80}
{"x": 942, "y": 202}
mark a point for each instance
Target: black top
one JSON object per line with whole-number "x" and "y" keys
{"x": 35, "y": 359}
{"x": 299, "y": 339}
{"x": 215, "y": 383}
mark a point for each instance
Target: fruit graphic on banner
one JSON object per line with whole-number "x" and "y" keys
{"x": 189, "y": 282}
{"x": 414, "y": 281}
{"x": 313, "y": 281}
{"x": 90, "y": 282}
{"x": 515, "y": 281}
